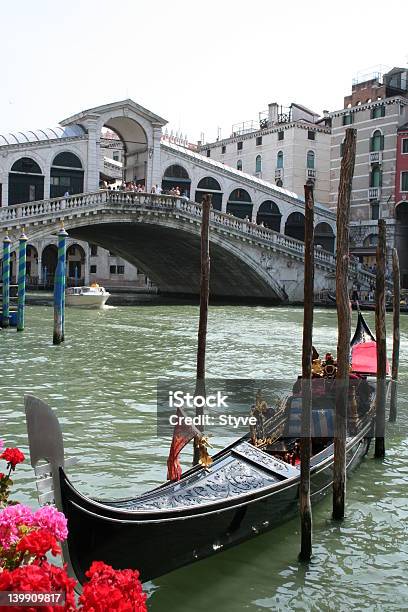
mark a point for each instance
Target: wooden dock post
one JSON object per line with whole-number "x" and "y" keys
{"x": 305, "y": 441}
{"x": 22, "y": 258}
{"x": 204, "y": 298}
{"x": 344, "y": 323}
{"x": 380, "y": 332}
{"x": 5, "y": 315}
{"x": 59, "y": 289}
{"x": 395, "y": 334}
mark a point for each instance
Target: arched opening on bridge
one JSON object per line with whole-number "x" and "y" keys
{"x": 32, "y": 264}
{"x": 49, "y": 261}
{"x": 401, "y": 231}
{"x": 270, "y": 215}
{"x": 75, "y": 264}
{"x": 324, "y": 236}
{"x": 26, "y": 182}
{"x": 67, "y": 175}
{"x": 209, "y": 185}
{"x": 176, "y": 176}
{"x": 124, "y": 151}
{"x": 295, "y": 226}
{"x": 240, "y": 204}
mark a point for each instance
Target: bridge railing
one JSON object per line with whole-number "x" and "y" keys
{"x": 101, "y": 198}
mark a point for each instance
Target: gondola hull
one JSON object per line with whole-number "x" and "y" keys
{"x": 157, "y": 544}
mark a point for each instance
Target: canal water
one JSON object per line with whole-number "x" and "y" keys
{"x": 103, "y": 384}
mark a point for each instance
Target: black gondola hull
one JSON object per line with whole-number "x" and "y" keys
{"x": 156, "y": 543}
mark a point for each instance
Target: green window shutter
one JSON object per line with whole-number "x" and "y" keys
{"x": 382, "y": 142}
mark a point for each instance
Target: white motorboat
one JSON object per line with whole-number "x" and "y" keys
{"x": 86, "y": 297}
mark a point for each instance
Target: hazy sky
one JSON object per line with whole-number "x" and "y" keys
{"x": 201, "y": 65}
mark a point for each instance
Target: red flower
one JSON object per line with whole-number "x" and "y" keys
{"x": 13, "y": 456}
{"x": 38, "y": 543}
{"x": 121, "y": 588}
{"x": 1, "y": 475}
{"x": 42, "y": 578}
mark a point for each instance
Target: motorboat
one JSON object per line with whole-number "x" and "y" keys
{"x": 93, "y": 296}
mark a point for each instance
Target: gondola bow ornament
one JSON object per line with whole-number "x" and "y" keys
{"x": 182, "y": 435}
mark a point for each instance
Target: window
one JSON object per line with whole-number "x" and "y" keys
{"x": 258, "y": 164}
{"x": 377, "y": 141}
{"x": 94, "y": 250}
{"x": 121, "y": 269}
{"x": 405, "y": 145}
{"x": 310, "y": 159}
{"x": 258, "y": 141}
{"x": 279, "y": 183}
{"x": 279, "y": 159}
{"x": 347, "y": 119}
{"x": 92, "y": 269}
{"x": 223, "y": 149}
{"x": 281, "y": 135}
{"x": 112, "y": 269}
{"x": 375, "y": 210}
{"x": 378, "y": 111}
{"x": 376, "y": 177}
{"x": 240, "y": 146}
{"x": 239, "y": 164}
{"x": 311, "y": 135}
{"x": 208, "y": 152}
{"x": 404, "y": 181}
{"x": 116, "y": 156}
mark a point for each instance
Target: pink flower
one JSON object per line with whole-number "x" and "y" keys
{"x": 1, "y": 445}
{"x": 55, "y": 522}
{"x": 11, "y": 518}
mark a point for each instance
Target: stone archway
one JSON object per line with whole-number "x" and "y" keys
{"x": 270, "y": 215}
{"x": 295, "y": 226}
{"x": 49, "y": 260}
{"x": 32, "y": 265}
{"x": 210, "y": 185}
{"x": 324, "y": 236}
{"x": 25, "y": 181}
{"x": 75, "y": 264}
{"x": 176, "y": 176}
{"x": 240, "y": 204}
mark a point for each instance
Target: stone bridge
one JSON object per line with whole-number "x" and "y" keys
{"x": 160, "y": 234}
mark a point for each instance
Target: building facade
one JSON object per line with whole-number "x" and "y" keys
{"x": 289, "y": 147}
{"x": 376, "y": 108}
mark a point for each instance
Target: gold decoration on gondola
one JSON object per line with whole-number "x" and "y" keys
{"x": 204, "y": 458}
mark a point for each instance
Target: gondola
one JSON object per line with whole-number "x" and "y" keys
{"x": 251, "y": 486}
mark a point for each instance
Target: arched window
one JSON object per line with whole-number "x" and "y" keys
{"x": 176, "y": 176}
{"x": 377, "y": 141}
{"x": 324, "y": 236}
{"x": 67, "y": 175}
{"x": 295, "y": 226}
{"x": 239, "y": 164}
{"x": 279, "y": 183}
{"x": 270, "y": 215}
{"x": 240, "y": 204}
{"x": 376, "y": 177}
{"x": 279, "y": 159}
{"x": 310, "y": 159}
{"x": 258, "y": 164}
{"x": 26, "y": 181}
{"x": 208, "y": 184}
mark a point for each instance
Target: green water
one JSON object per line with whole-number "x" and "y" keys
{"x": 103, "y": 384}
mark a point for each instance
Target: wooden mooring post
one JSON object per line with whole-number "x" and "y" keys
{"x": 380, "y": 332}
{"x": 305, "y": 441}
{"x": 204, "y": 299}
{"x": 344, "y": 323}
{"x": 395, "y": 334}
{"x": 5, "y": 314}
{"x": 59, "y": 289}
{"x": 22, "y": 258}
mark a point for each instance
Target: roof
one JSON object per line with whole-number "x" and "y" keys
{"x": 241, "y": 175}
{"x": 57, "y": 133}
{"x": 106, "y": 108}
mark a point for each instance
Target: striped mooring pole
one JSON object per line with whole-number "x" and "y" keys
{"x": 22, "y": 257}
{"x": 5, "y": 315}
{"x": 59, "y": 289}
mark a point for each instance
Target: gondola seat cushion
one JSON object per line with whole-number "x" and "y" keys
{"x": 322, "y": 425}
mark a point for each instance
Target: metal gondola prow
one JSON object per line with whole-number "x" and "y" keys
{"x": 363, "y": 333}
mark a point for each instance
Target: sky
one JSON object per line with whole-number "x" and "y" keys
{"x": 202, "y": 65}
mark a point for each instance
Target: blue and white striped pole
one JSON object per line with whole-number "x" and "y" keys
{"x": 59, "y": 289}
{"x": 22, "y": 258}
{"x": 5, "y": 318}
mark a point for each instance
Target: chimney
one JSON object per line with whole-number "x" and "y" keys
{"x": 273, "y": 113}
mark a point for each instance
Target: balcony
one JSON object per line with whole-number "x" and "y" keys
{"x": 310, "y": 173}
{"x": 374, "y": 193}
{"x": 376, "y": 157}
{"x": 278, "y": 173}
